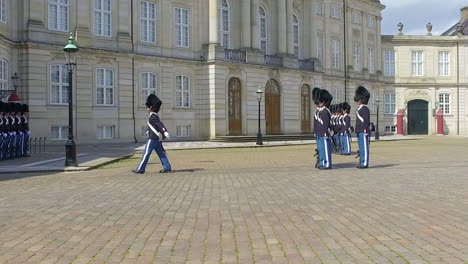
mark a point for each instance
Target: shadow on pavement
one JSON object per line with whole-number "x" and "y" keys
{"x": 21, "y": 175}
{"x": 353, "y": 165}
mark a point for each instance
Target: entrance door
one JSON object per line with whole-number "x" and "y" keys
{"x": 272, "y": 107}
{"x": 305, "y": 109}
{"x": 235, "y": 116}
{"x": 418, "y": 117}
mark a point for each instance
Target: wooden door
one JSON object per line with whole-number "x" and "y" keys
{"x": 235, "y": 114}
{"x": 272, "y": 108}
{"x": 418, "y": 122}
{"x": 305, "y": 109}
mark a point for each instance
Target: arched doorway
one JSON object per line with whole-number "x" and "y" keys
{"x": 418, "y": 117}
{"x": 235, "y": 114}
{"x": 305, "y": 109}
{"x": 272, "y": 107}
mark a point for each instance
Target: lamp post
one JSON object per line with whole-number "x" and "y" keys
{"x": 259, "y": 99}
{"x": 70, "y": 147}
{"x": 377, "y": 135}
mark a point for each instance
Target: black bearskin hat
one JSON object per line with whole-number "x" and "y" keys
{"x": 323, "y": 96}
{"x": 315, "y": 93}
{"x": 18, "y": 108}
{"x": 25, "y": 108}
{"x": 2, "y": 107}
{"x": 11, "y": 107}
{"x": 154, "y": 103}
{"x": 362, "y": 95}
{"x": 346, "y": 107}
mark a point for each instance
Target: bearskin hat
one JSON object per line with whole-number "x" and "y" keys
{"x": 2, "y": 107}
{"x": 18, "y": 108}
{"x": 154, "y": 103}
{"x": 315, "y": 93}
{"x": 25, "y": 108}
{"x": 12, "y": 107}
{"x": 326, "y": 97}
{"x": 346, "y": 107}
{"x": 361, "y": 94}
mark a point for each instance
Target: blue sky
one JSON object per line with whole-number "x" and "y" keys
{"x": 415, "y": 14}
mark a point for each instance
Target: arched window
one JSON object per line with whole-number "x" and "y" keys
{"x": 225, "y": 24}
{"x": 148, "y": 85}
{"x": 296, "y": 35}
{"x": 3, "y": 75}
{"x": 263, "y": 29}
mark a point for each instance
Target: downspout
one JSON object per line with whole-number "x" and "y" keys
{"x": 133, "y": 73}
{"x": 345, "y": 53}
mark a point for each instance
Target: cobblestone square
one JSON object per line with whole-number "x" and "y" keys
{"x": 247, "y": 205}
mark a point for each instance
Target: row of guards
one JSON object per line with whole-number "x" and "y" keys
{"x": 14, "y": 130}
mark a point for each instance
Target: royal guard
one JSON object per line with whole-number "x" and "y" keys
{"x": 2, "y": 129}
{"x": 25, "y": 129}
{"x": 361, "y": 98}
{"x": 322, "y": 133}
{"x": 345, "y": 130}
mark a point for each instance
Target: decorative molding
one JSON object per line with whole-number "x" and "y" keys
{"x": 274, "y": 74}
{"x": 371, "y": 36}
{"x": 57, "y": 56}
{"x": 307, "y": 78}
{"x": 235, "y": 70}
{"x": 356, "y": 33}
{"x": 105, "y": 60}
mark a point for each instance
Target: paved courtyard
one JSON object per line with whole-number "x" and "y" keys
{"x": 250, "y": 205}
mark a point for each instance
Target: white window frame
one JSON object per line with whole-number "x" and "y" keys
{"x": 371, "y": 21}
{"x": 183, "y": 131}
{"x": 106, "y": 130}
{"x": 389, "y": 103}
{"x": 444, "y": 63}
{"x": 320, "y": 48}
{"x": 149, "y": 84}
{"x": 182, "y": 88}
{"x": 444, "y": 103}
{"x": 62, "y": 8}
{"x": 356, "y": 17}
{"x": 3, "y": 11}
{"x": 182, "y": 27}
{"x": 417, "y": 63}
{"x": 62, "y": 84}
{"x": 4, "y": 68}
{"x": 389, "y": 62}
{"x": 62, "y": 132}
{"x": 296, "y": 35}
{"x": 225, "y": 24}
{"x": 371, "y": 59}
{"x": 100, "y": 29}
{"x": 148, "y": 21}
{"x": 335, "y": 12}
{"x": 263, "y": 22}
{"x": 357, "y": 57}
{"x": 106, "y": 87}
{"x": 319, "y": 10}
{"x": 336, "y": 54}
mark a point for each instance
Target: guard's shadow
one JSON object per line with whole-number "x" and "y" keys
{"x": 349, "y": 165}
{"x": 188, "y": 170}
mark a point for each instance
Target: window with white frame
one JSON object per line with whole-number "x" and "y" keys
{"x": 389, "y": 104}
{"x": 105, "y": 132}
{"x": 296, "y": 35}
{"x": 417, "y": 63}
{"x": 58, "y": 15}
{"x": 3, "y": 10}
{"x": 182, "y": 91}
{"x": 444, "y": 102}
{"x": 336, "y": 53}
{"x": 58, "y": 84}
{"x": 225, "y": 25}
{"x": 335, "y": 12}
{"x": 148, "y": 85}
{"x": 371, "y": 57}
{"x": 371, "y": 21}
{"x": 182, "y": 27}
{"x": 389, "y": 63}
{"x": 356, "y": 17}
{"x": 105, "y": 87}
{"x": 58, "y": 132}
{"x": 390, "y": 128}
{"x": 320, "y": 46}
{"x": 357, "y": 57}
{"x": 263, "y": 29}
{"x": 183, "y": 131}
{"x": 103, "y": 18}
{"x": 148, "y": 22}
{"x": 444, "y": 63}
{"x": 319, "y": 10}
{"x": 3, "y": 75}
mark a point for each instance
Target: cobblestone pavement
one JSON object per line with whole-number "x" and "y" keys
{"x": 258, "y": 205}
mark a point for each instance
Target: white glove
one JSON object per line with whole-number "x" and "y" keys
{"x": 146, "y": 133}
{"x": 166, "y": 134}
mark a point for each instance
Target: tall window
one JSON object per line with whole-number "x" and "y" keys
{"x": 320, "y": 48}
{"x": 390, "y": 103}
{"x": 105, "y": 132}
{"x": 148, "y": 85}
{"x": 336, "y": 49}
{"x": 417, "y": 63}
{"x": 371, "y": 21}
{"x": 357, "y": 57}
{"x": 335, "y": 12}
{"x": 58, "y": 84}
{"x": 58, "y": 15}
{"x": 356, "y": 17}
{"x": 263, "y": 29}
{"x": 182, "y": 27}
{"x": 3, "y": 75}
{"x": 371, "y": 59}
{"x": 182, "y": 91}
{"x": 224, "y": 26}
{"x": 58, "y": 132}
{"x": 296, "y": 35}
{"x": 444, "y": 102}
{"x": 103, "y": 18}
{"x": 183, "y": 131}
{"x": 389, "y": 63}
{"x": 148, "y": 22}
{"x": 319, "y": 10}
{"x": 3, "y": 11}
{"x": 105, "y": 86}
{"x": 444, "y": 63}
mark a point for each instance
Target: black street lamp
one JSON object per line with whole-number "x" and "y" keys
{"x": 70, "y": 147}
{"x": 377, "y": 135}
{"x": 259, "y": 99}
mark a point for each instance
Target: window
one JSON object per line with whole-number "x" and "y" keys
{"x": 444, "y": 103}
{"x": 182, "y": 27}
{"x": 148, "y": 85}
{"x": 263, "y": 30}
{"x": 444, "y": 63}
{"x": 357, "y": 57}
{"x": 58, "y": 15}
{"x": 356, "y": 17}
{"x": 319, "y": 8}
{"x": 389, "y": 104}
{"x": 58, "y": 132}
{"x": 336, "y": 48}
{"x": 335, "y": 12}
{"x": 148, "y": 22}
{"x": 58, "y": 84}
{"x": 389, "y": 128}
{"x": 371, "y": 21}
{"x": 225, "y": 24}
{"x": 105, "y": 86}
{"x": 4, "y": 75}
{"x": 371, "y": 59}
{"x": 320, "y": 48}
{"x": 3, "y": 11}
{"x": 105, "y": 132}
{"x": 182, "y": 91}
{"x": 183, "y": 131}
{"x": 389, "y": 63}
{"x": 103, "y": 18}
{"x": 296, "y": 35}
{"x": 417, "y": 63}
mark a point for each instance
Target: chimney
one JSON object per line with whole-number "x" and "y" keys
{"x": 464, "y": 14}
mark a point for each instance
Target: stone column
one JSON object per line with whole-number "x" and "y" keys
{"x": 213, "y": 21}
{"x": 282, "y": 26}
{"x": 246, "y": 24}
{"x": 255, "y": 24}
{"x": 289, "y": 29}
